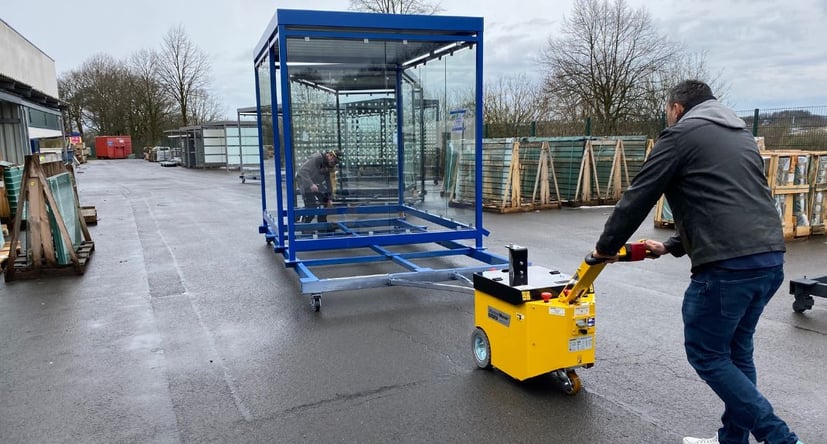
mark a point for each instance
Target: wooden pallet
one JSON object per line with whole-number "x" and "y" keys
{"x": 524, "y": 208}
{"x": 664, "y": 224}
{"x": 24, "y": 270}
{"x": 90, "y": 214}
{"x": 4, "y": 254}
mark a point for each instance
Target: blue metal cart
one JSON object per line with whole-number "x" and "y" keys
{"x": 393, "y": 93}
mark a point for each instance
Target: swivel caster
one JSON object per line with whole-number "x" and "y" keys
{"x": 316, "y": 301}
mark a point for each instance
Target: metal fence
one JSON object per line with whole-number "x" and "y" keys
{"x": 801, "y": 128}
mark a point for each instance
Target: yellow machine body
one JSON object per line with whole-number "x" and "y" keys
{"x": 530, "y": 336}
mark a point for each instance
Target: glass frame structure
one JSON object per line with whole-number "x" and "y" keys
{"x": 294, "y": 49}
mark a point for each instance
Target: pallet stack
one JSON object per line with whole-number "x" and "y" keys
{"x": 56, "y": 239}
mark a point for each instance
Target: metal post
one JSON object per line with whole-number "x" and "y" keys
{"x": 755, "y": 123}
{"x": 588, "y": 126}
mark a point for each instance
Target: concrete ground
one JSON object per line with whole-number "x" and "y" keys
{"x": 186, "y": 327}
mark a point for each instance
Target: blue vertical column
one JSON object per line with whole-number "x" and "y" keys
{"x": 287, "y": 123}
{"x": 478, "y": 144}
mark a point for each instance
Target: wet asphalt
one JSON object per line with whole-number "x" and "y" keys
{"x": 186, "y": 327}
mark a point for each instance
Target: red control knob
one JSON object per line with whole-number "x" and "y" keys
{"x": 546, "y": 296}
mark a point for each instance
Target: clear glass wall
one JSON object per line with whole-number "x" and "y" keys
{"x": 358, "y": 110}
{"x": 439, "y": 121}
{"x": 264, "y": 93}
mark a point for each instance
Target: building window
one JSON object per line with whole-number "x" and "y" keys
{"x": 40, "y": 119}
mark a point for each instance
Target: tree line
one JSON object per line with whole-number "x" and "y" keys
{"x": 609, "y": 65}
{"x": 153, "y": 90}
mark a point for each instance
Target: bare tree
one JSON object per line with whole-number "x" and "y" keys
{"x": 184, "y": 70}
{"x": 513, "y": 101}
{"x": 69, "y": 90}
{"x": 204, "y": 108}
{"x": 152, "y": 106}
{"x": 104, "y": 94}
{"x": 397, "y": 6}
{"x": 603, "y": 59}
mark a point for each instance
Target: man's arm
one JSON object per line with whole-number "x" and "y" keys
{"x": 645, "y": 190}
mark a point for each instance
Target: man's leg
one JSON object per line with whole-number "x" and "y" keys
{"x": 715, "y": 305}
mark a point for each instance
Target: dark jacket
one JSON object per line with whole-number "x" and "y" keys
{"x": 315, "y": 170}
{"x": 710, "y": 169}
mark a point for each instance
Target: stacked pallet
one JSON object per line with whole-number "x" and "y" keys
{"x": 516, "y": 176}
{"x": 541, "y": 173}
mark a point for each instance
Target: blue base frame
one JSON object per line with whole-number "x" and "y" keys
{"x": 376, "y": 234}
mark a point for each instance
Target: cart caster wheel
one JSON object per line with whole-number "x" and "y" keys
{"x": 316, "y": 302}
{"x": 481, "y": 348}
{"x": 800, "y": 306}
{"x": 571, "y": 383}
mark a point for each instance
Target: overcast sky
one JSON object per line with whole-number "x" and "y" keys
{"x": 769, "y": 53}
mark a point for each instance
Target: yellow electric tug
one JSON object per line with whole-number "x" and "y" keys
{"x": 532, "y": 321}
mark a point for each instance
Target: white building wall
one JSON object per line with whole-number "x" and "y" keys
{"x": 26, "y": 63}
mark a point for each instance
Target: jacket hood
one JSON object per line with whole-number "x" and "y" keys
{"x": 714, "y": 111}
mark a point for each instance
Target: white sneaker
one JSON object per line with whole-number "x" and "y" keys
{"x": 690, "y": 440}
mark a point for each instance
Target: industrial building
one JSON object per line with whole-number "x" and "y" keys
{"x": 29, "y": 105}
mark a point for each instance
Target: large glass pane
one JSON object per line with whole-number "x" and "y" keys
{"x": 439, "y": 122}
{"x": 354, "y": 100}
{"x": 264, "y": 88}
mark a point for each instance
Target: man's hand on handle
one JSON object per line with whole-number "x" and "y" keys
{"x": 655, "y": 247}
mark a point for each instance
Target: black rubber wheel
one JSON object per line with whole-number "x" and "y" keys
{"x": 316, "y": 302}
{"x": 481, "y": 348}
{"x": 800, "y": 307}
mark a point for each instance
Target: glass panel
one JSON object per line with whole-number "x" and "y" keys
{"x": 439, "y": 124}
{"x": 354, "y": 110}
{"x": 264, "y": 85}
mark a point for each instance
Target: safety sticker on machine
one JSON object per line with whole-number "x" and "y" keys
{"x": 556, "y": 311}
{"x": 580, "y": 344}
{"x": 581, "y": 310}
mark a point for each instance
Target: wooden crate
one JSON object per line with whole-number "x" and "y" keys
{"x": 787, "y": 169}
{"x": 818, "y": 209}
{"x": 794, "y": 219}
{"x": 818, "y": 169}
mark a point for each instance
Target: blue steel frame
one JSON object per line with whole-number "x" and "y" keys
{"x": 374, "y": 234}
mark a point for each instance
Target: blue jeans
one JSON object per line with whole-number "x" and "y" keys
{"x": 720, "y": 311}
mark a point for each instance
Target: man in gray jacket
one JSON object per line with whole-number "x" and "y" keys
{"x": 708, "y": 166}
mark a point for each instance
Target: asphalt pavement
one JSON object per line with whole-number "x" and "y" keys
{"x": 186, "y": 327}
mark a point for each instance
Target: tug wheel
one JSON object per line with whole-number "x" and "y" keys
{"x": 481, "y": 348}
{"x": 572, "y": 383}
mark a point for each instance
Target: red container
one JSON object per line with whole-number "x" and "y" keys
{"x": 113, "y": 147}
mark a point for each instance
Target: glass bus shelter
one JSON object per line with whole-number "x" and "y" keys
{"x": 399, "y": 99}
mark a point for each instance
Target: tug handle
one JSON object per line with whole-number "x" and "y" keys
{"x": 635, "y": 251}
{"x": 592, "y": 266}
